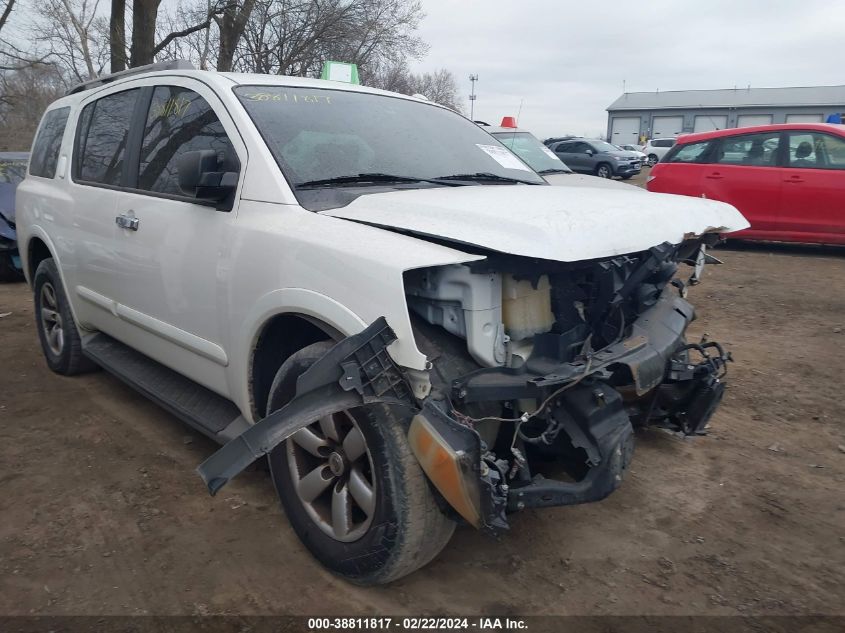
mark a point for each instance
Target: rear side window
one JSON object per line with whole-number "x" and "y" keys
{"x": 664, "y": 142}
{"x": 45, "y": 151}
{"x": 691, "y": 153}
{"x": 102, "y": 138}
{"x": 760, "y": 150}
{"x": 179, "y": 120}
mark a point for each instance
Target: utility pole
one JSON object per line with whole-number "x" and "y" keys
{"x": 473, "y": 79}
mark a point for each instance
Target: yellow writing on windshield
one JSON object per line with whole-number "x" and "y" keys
{"x": 283, "y": 97}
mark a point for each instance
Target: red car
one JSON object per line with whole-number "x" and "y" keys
{"x": 787, "y": 180}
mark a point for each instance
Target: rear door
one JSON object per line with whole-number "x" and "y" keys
{"x": 744, "y": 172}
{"x": 98, "y": 171}
{"x": 574, "y": 154}
{"x": 813, "y": 201}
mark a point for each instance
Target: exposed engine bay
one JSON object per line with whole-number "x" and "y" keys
{"x": 541, "y": 370}
{"x": 538, "y": 372}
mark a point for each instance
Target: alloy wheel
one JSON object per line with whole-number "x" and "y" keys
{"x": 332, "y": 472}
{"x": 51, "y": 319}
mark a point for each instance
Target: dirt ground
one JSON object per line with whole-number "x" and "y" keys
{"x": 101, "y": 511}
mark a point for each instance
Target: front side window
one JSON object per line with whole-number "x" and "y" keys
{"x": 664, "y": 142}
{"x": 45, "y": 151}
{"x": 102, "y": 137}
{"x": 318, "y": 135}
{"x": 691, "y": 153}
{"x": 178, "y": 121}
{"x": 816, "y": 150}
{"x": 760, "y": 150}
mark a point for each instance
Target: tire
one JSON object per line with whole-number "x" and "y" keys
{"x": 603, "y": 170}
{"x": 652, "y": 160}
{"x": 404, "y": 529}
{"x": 57, "y": 330}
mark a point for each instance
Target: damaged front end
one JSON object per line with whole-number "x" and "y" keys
{"x": 539, "y": 372}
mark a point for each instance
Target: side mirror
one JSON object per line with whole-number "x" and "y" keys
{"x": 589, "y": 152}
{"x": 200, "y": 177}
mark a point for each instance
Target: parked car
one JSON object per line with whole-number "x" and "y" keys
{"x": 596, "y": 157}
{"x": 12, "y": 171}
{"x": 557, "y": 139}
{"x": 543, "y": 160}
{"x": 657, "y": 148}
{"x": 411, "y": 338}
{"x": 788, "y": 180}
{"x": 637, "y": 149}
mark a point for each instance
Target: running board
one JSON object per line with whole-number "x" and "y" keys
{"x": 200, "y": 408}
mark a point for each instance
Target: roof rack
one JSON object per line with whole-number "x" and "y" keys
{"x": 176, "y": 64}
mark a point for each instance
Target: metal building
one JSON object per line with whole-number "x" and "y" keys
{"x": 657, "y": 114}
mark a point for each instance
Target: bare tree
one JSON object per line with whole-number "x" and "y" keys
{"x": 117, "y": 36}
{"x": 295, "y": 37}
{"x": 232, "y": 24}
{"x": 73, "y": 32}
{"x": 7, "y": 11}
{"x": 439, "y": 86}
{"x": 24, "y": 95}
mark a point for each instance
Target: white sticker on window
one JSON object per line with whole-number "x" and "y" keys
{"x": 549, "y": 152}
{"x": 503, "y": 157}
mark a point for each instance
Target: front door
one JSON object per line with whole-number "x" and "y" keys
{"x": 174, "y": 255}
{"x": 813, "y": 201}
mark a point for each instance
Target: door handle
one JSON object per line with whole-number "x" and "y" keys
{"x": 794, "y": 179}
{"x": 715, "y": 176}
{"x": 127, "y": 222}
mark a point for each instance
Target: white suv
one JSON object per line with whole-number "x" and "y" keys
{"x": 657, "y": 148}
{"x": 413, "y": 338}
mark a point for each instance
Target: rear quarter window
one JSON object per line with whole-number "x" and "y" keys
{"x": 48, "y": 143}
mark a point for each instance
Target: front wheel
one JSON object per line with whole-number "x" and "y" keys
{"x": 604, "y": 171}
{"x": 352, "y": 489}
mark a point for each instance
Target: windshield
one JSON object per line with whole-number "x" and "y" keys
{"x": 532, "y": 151}
{"x": 319, "y": 135}
{"x": 12, "y": 171}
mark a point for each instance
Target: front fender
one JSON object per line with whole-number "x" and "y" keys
{"x": 356, "y": 371}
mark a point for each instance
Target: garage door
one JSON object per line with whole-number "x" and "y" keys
{"x": 708, "y": 122}
{"x": 747, "y": 120}
{"x": 804, "y": 118}
{"x": 667, "y": 126}
{"x": 625, "y": 131}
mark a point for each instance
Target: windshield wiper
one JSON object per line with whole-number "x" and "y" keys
{"x": 555, "y": 171}
{"x": 375, "y": 177}
{"x": 482, "y": 176}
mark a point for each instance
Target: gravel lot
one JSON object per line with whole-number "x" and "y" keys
{"x": 102, "y": 512}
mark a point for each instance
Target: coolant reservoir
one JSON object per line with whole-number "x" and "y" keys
{"x": 526, "y": 310}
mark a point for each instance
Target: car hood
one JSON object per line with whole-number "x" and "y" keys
{"x": 557, "y": 223}
{"x": 583, "y": 180}
{"x": 623, "y": 153}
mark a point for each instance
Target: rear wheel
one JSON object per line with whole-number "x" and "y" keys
{"x": 604, "y": 171}
{"x": 57, "y": 330}
{"x": 352, "y": 489}
{"x": 652, "y": 160}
